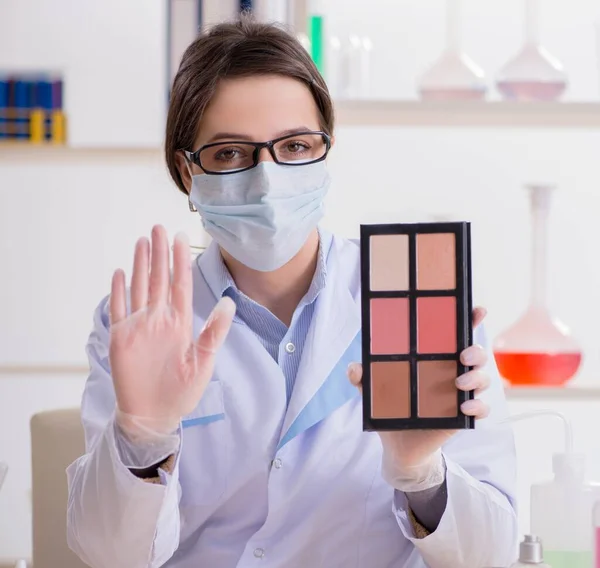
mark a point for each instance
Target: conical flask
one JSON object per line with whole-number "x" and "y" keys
{"x": 533, "y": 74}
{"x": 454, "y": 76}
{"x": 538, "y": 349}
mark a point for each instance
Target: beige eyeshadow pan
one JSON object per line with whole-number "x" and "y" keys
{"x": 389, "y": 262}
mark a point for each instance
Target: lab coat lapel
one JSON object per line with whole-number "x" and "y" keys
{"x": 333, "y": 341}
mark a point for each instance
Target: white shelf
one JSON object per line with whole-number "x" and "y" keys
{"x": 573, "y": 393}
{"x": 27, "y": 152}
{"x": 468, "y": 114}
{"x": 54, "y": 369}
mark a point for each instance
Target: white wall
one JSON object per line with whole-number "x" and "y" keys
{"x": 67, "y": 220}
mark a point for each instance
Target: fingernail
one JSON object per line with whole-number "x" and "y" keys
{"x": 225, "y": 306}
{"x": 352, "y": 368}
{"x": 469, "y": 406}
{"x": 183, "y": 237}
{"x": 467, "y": 358}
{"x": 463, "y": 382}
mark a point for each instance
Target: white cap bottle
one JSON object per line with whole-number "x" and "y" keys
{"x": 561, "y": 509}
{"x": 531, "y": 553}
{"x": 596, "y": 537}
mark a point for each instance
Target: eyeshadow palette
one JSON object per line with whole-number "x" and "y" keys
{"x": 416, "y": 320}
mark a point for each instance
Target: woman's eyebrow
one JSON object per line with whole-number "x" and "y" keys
{"x": 294, "y": 131}
{"x": 229, "y": 136}
{"x": 244, "y": 137}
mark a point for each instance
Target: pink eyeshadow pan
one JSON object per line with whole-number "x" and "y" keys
{"x": 389, "y": 326}
{"x": 436, "y": 324}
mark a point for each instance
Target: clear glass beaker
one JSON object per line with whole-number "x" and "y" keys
{"x": 538, "y": 349}
{"x": 533, "y": 74}
{"x": 454, "y": 76}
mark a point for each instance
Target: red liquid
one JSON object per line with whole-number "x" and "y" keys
{"x": 541, "y": 369}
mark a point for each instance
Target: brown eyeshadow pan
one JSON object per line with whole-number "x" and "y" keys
{"x": 390, "y": 389}
{"x": 437, "y": 394}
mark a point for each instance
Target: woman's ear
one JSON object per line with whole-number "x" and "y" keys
{"x": 184, "y": 171}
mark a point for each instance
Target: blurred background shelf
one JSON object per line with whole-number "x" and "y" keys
{"x": 467, "y": 114}
{"x": 50, "y": 370}
{"x": 388, "y": 113}
{"x": 574, "y": 393}
{"x": 28, "y": 151}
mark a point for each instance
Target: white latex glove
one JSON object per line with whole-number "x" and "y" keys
{"x": 411, "y": 478}
{"x": 412, "y": 459}
{"x": 159, "y": 371}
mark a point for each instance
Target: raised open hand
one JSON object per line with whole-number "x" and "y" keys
{"x": 159, "y": 371}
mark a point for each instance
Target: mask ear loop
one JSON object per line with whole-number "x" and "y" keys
{"x": 191, "y": 206}
{"x": 194, "y": 248}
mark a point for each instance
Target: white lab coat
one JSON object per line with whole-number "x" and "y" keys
{"x": 257, "y": 484}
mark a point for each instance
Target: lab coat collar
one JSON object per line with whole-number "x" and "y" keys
{"x": 333, "y": 341}
{"x": 213, "y": 270}
{"x": 219, "y": 279}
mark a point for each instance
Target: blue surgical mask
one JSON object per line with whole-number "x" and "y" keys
{"x": 262, "y": 216}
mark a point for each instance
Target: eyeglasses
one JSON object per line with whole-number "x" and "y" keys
{"x": 230, "y": 157}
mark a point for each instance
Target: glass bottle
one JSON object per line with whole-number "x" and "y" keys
{"x": 454, "y": 76}
{"x": 596, "y": 538}
{"x": 316, "y": 34}
{"x": 538, "y": 349}
{"x": 533, "y": 74}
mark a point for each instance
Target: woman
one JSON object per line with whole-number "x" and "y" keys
{"x": 220, "y": 444}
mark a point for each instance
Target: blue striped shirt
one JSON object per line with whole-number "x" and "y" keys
{"x": 284, "y": 344}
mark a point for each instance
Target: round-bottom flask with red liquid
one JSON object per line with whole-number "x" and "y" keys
{"x": 538, "y": 349}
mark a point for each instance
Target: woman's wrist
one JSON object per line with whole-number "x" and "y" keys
{"x": 151, "y": 474}
{"x": 417, "y": 477}
{"x": 140, "y": 452}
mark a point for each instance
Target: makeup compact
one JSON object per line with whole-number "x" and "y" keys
{"x": 416, "y": 320}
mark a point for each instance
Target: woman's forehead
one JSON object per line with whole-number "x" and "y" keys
{"x": 258, "y": 108}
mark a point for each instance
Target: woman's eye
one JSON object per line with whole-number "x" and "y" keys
{"x": 227, "y": 154}
{"x": 295, "y": 147}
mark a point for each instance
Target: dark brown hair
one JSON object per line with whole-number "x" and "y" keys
{"x": 236, "y": 49}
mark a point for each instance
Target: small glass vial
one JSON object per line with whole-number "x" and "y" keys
{"x": 354, "y": 72}
{"x": 531, "y": 553}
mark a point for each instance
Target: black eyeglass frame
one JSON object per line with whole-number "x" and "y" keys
{"x": 194, "y": 157}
